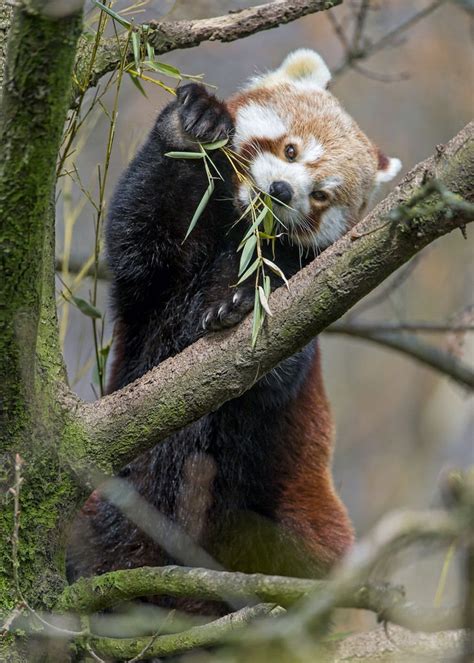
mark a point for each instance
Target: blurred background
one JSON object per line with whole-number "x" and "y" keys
{"x": 399, "y": 424}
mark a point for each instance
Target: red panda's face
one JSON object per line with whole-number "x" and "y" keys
{"x": 305, "y": 151}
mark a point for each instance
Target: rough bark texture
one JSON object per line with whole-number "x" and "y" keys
{"x": 90, "y": 595}
{"x": 169, "y": 36}
{"x": 224, "y": 365}
{"x": 6, "y": 11}
{"x": 35, "y": 96}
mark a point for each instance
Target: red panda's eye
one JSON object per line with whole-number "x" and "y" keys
{"x": 290, "y": 152}
{"x": 320, "y": 196}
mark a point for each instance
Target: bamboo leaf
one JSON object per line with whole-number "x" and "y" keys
{"x": 86, "y": 307}
{"x": 136, "y": 82}
{"x": 185, "y": 155}
{"x": 150, "y": 52}
{"x": 264, "y": 300}
{"x": 247, "y": 253}
{"x": 110, "y": 12}
{"x": 268, "y": 223}
{"x": 163, "y": 68}
{"x": 252, "y": 228}
{"x": 267, "y": 286}
{"x": 200, "y": 208}
{"x": 258, "y": 317}
{"x": 216, "y": 145}
{"x": 136, "y": 49}
{"x": 249, "y": 271}
{"x": 277, "y": 270}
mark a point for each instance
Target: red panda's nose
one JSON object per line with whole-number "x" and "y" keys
{"x": 282, "y": 191}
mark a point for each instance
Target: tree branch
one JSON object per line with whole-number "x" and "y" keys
{"x": 213, "y": 633}
{"x": 353, "y": 55}
{"x": 90, "y": 595}
{"x": 222, "y": 366}
{"x": 412, "y": 346}
{"x": 394, "y": 532}
{"x": 166, "y": 36}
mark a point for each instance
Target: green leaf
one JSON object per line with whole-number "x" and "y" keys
{"x": 249, "y": 271}
{"x": 110, "y": 12}
{"x": 200, "y": 208}
{"x": 264, "y": 300}
{"x": 136, "y": 49}
{"x": 277, "y": 270}
{"x": 166, "y": 69}
{"x": 252, "y": 228}
{"x": 185, "y": 155}
{"x": 258, "y": 317}
{"x": 247, "y": 253}
{"x": 268, "y": 223}
{"x": 267, "y": 286}
{"x": 150, "y": 52}
{"x": 138, "y": 85}
{"x": 86, "y": 307}
{"x": 216, "y": 145}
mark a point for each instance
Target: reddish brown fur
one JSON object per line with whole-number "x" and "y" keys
{"x": 310, "y": 506}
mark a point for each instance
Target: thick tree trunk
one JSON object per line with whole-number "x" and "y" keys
{"x": 36, "y": 90}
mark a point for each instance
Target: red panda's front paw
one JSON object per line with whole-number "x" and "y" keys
{"x": 202, "y": 115}
{"x": 229, "y": 313}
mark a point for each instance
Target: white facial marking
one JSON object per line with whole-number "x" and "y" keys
{"x": 333, "y": 225}
{"x": 393, "y": 168}
{"x": 267, "y": 168}
{"x": 256, "y": 121}
{"x": 312, "y": 151}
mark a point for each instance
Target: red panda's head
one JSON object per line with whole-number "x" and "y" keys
{"x": 306, "y": 151}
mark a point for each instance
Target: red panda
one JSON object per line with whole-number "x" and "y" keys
{"x": 250, "y": 484}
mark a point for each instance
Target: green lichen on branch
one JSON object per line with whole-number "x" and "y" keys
{"x": 216, "y": 632}
{"x": 34, "y": 103}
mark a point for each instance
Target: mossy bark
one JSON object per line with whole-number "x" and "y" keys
{"x": 37, "y": 80}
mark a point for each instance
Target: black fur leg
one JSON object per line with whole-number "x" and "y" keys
{"x": 202, "y": 115}
{"x": 230, "y": 312}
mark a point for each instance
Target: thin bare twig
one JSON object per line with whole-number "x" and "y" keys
{"x": 352, "y": 55}
{"x": 414, "y": 347}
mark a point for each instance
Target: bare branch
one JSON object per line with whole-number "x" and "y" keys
{"x": 166, "y": 36}
{"x": 353, "y": 54}
{"x": 90, "y": 595}
{"x": 394, "y": 531}
{"x": 412, "y": 346}
{"x": 215, "y": 632}
{"x": 222, "y": 366}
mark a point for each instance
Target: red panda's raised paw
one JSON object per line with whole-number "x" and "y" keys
{"x": 202, "y": 115}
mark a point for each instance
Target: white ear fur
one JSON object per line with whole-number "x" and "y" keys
{"x": 390, "y": 171}
{"x": 303, "y": 67}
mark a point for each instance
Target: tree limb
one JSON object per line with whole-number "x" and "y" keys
{"x": 411, "y": 345}
{"x": 222, "y": 366}
{"x": 166, "y": 36}
{"x": 89, "y": 595}
{"x": 394, "y": 532}
{"x": 355, "y": 52}
{"x": 213, "y": 633}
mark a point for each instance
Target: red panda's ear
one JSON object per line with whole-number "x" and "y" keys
{"x": 387, "y": 167}
{"x": 304, "y": 68}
